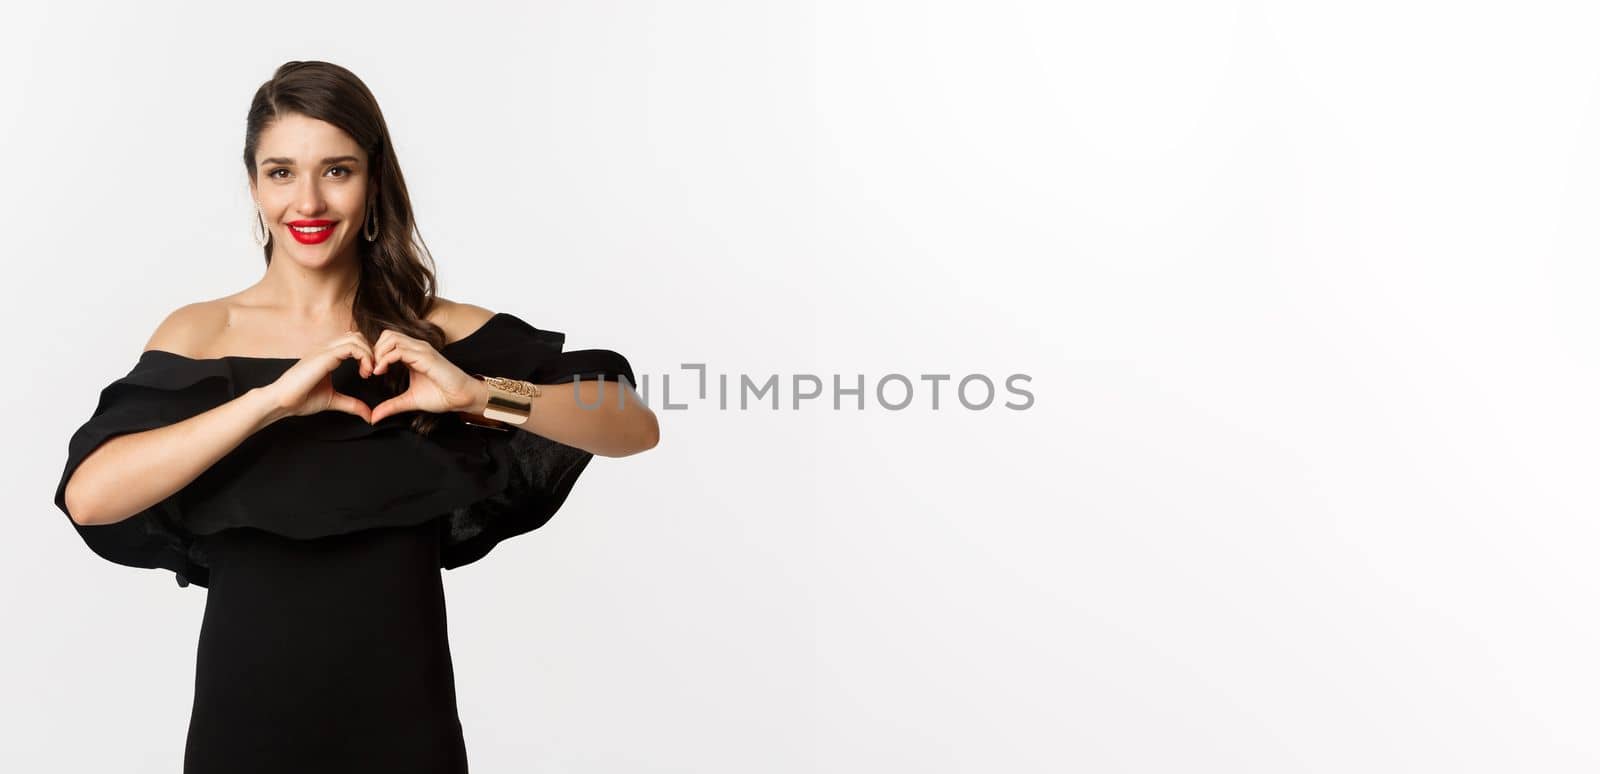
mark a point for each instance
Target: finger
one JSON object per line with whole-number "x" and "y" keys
{"x": 364, "y": 351}
{"x": 396, "y": 405}
{"x": 379, "y": 350}
{"x": 347, "y": 346}
{"x": 349, "y": 405}
{"x": 397, "y": 350}
{"x": 350, "y": 349}
{"x": 385, "y": 354}
{"x": 387, "y": 339}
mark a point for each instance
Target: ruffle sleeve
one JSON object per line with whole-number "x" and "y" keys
{"x": 158, "y": 391}
{"x": 331, "y": 473}
{"x": 540, "y": 473}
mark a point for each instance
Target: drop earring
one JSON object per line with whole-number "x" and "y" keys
{"x": 259, "y": 231}
{"x": 372, "y": 237}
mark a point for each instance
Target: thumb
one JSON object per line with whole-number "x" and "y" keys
{"x": 348, "y": 404}
{"x": 392, "y": 406}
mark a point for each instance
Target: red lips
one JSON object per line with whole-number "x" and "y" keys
{"x": 315, "y": 237}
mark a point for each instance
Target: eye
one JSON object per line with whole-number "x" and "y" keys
{"x": 274, "y": 173}
{"x": 346, "y": 170}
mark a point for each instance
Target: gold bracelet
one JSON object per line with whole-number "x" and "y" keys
{"x": 510, "y": 400}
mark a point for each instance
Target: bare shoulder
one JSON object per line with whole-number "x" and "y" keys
{"x": 189, "y": 328}
{"x": 458, "y": 319}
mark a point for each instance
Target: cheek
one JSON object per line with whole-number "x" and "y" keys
{"x": 270, "y": 199}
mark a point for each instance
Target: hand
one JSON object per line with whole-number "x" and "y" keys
{"x": 437, "y": 385}
{"x": 307, "y": 387}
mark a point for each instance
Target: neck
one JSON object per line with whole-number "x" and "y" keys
{"x": 310, "y": 293}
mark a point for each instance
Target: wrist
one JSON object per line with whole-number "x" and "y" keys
{"x": 480, "y": 397}
{"x": 267, "y": 408}
{"x": 506, "y": 400}
{"x": 472, "y": 414}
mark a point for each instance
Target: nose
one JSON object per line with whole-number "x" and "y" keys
{"x": 308, "y": 197}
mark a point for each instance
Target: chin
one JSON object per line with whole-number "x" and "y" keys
{"x": 312, "y": 256}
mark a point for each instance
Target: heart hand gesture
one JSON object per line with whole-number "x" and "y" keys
{"x": 307, "y": 387}
{"x": 437, "y": 385}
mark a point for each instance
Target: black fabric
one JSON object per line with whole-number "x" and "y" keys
{"x": 331, "y": 473}
{"x": 320, "y": 539}
{"x": 325, "y": 655}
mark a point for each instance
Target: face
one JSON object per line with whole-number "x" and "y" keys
{"x": 312, "y": 182}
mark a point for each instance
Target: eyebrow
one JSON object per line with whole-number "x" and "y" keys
{"x": 290, "y": 162}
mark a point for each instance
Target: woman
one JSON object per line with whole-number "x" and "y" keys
{"x": 314, "y": 448}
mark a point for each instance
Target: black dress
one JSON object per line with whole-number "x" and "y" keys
{"x": 320, "y": 540}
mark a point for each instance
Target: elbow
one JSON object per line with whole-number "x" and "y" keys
{"x": 652, "y": 437}
{"x": 651, "y": 433}
{"x": 644, "y": 437}
{"x": 78, "y": 510}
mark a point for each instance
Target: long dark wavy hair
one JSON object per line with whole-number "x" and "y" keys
{"x": 397, "y": 285}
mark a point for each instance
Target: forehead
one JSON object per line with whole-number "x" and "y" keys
{"x": 305, "y": 140}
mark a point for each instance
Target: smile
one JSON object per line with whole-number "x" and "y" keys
{"x": 310, "y": 232}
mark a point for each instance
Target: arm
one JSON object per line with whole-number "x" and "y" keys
{"x": 566, "y": 413}
{"x": 131, "y": 472}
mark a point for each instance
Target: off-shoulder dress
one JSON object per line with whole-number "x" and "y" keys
{"x": 320, "y": 539}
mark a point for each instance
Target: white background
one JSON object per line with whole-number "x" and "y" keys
{"x": 1306, "y": 292}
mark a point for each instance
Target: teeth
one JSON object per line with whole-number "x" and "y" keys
{"x": 310, "y": 230}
